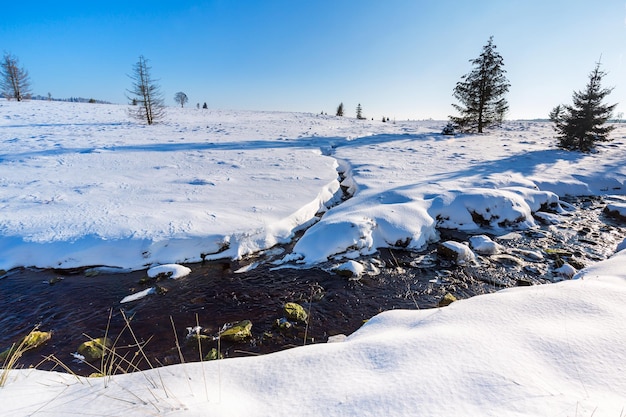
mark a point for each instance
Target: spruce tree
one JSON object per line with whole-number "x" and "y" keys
{"x": 359, "y": 112}
{"x": 481, "y": 92}
{"x": 581, "y": 125}
{"x": 339, "y": 110}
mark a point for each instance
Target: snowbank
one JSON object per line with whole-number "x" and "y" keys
{"x": 529, "y": 351}
{"x": 82, "y": 185}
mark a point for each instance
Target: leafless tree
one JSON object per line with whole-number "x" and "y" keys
{"x": 145, "y": 95}
{"x": 181, "y": 98}
{"x": 14, "y": 80}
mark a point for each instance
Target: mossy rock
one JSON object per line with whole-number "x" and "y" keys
{"x": 36, "y": 338}
{"x": 557, "y": 252}
{"x": 294, "y": 311}
{"x": 447, "y": 300}
{"x": 238, "y": 332}
{"x": 213, "y": 355}
{"x": 30, "y": 341}
{"x": 195, "y": 338}
{"x": 94, "y": 349}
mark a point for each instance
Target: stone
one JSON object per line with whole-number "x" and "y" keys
{"x": 213, "y": 355}
{"x": 566, "y": 271}
{"x": 447, "y": 300}
{"x": 455, "y": 252}
{"x": 94, "y": 349}
{"x": 238, "y": 332}
{"x": 350, "y": 269}
{"x": 294, "y": 311}
{"x": 483, "y": 245}
{"x": 32, "y": 340}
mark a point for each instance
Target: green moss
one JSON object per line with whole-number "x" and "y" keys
{"x": 213, "y": 355}
{"x": 36, "y": 338}
{"x": 556, "y": 252}
{"x": 294, "y": 311}
{"x": 447, "y": 300}
{"x": 94, "y": 349}
{"x": 238, "y": 332}
{"x": 30, "y": 341}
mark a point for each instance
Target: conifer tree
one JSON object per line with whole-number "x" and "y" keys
{"x": 146, "y": 93}
{"x": 339, "y": 110}
{"x": 580, "y": 125}
{"x": 14, "y": 80}
{"x": 481, "y": 92}
{"x": 359, "y": 112}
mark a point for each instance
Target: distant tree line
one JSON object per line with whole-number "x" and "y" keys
{"x": 481, "y": 96}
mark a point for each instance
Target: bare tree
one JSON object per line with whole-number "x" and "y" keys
{"x": 14, "y": 80}
{"x": 145, "y": 94}
{"x": 181, "y": 98}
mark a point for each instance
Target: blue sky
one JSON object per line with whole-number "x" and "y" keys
{"x": 398, "y": 58}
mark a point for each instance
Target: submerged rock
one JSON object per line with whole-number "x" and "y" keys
{"x": 94, "y": 349}
{"x": 213, "y": 355}
{"x": 32, "y": 340}
{"x": 238, "y": 331}
{"x": 294, "y": 311}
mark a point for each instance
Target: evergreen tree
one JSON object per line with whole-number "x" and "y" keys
{"x": 481, "y": 92}
{"x": 146, "y": 94}
{"x": 14, "y": 80}
{"x": 580, "y": 125}
{"x": 339, "y": 110}
{"x": 359, "y": 112}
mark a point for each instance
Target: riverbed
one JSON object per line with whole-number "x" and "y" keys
{"x": 76, "y": 305}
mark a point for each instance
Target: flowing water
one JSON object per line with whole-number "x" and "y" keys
{"x": 77, "y": 305}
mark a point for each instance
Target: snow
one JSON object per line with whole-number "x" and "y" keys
{"x": 484, "y": 245}
{"x": 173, "y": 271}
{"x": 81, "y": 185}
{"x": 463, "y": 254}
{"x": 354, "y": 268}
{"x": 138, "y": 295}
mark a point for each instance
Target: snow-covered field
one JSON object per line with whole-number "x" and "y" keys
{"x": 83, "y": 185}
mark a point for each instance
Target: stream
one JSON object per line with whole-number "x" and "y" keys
{"x": 76, "y": 305}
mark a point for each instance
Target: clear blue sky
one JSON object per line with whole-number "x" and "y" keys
{"x": 398, "y": 58}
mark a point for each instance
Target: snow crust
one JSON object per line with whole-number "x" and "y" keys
{"x": 81, "y": 185}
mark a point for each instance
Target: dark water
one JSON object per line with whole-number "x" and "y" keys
{"x": 75, "y": 305}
